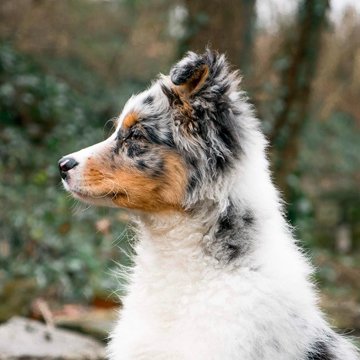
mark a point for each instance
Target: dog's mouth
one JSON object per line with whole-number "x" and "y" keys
{"x": 80, "y": 195}
{"x": 105, "y": 199}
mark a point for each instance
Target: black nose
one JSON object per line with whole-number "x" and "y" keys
{"x": 65, "y": 164}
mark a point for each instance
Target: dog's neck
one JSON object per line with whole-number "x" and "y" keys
{"x": 221, "y": 234}
{"x": 228, "y": 228}
{"x": 172, "y": 225}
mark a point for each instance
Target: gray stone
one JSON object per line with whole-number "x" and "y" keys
{"x": 26, "y": 339}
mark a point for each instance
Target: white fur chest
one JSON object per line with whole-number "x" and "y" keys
{"x": 181, "y": 306}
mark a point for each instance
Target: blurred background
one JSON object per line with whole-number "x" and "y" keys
{"x": 68, "y": 66}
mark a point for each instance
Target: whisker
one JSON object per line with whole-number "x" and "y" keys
{"x": 113, "y": 120}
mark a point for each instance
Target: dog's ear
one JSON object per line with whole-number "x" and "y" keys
{"x": 190, "y": 74}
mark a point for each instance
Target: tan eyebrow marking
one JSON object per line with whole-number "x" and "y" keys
{"x": 130, "y": 120}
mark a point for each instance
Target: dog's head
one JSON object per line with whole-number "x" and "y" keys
{"x": 173, "y": 145}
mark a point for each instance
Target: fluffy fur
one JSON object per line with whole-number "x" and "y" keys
{"x": 217, "y": 272}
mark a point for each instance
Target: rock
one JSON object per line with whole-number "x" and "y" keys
{"x": 22, "y": 338}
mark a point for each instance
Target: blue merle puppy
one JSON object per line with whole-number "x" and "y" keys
{"x": 217, "y": 275}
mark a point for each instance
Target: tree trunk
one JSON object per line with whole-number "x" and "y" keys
{"x": 224, "y": 25}
{"x": 297, "y": 82}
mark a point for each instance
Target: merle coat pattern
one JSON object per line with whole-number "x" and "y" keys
{"x": 217, "y": 272}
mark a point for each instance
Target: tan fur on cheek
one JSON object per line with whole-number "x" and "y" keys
{"x": 139, "y": 191}
{"x": 131, "y": 188}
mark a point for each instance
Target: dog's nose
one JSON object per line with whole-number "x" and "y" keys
{"x": 65, "y": 164}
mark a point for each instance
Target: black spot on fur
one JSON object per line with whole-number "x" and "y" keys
{"x": 154, "y": 134}
{"x": 173, "y": 97}
{"x": 195, "y": 174}
{"x": 135, "y": 133}
{"x": 199, "y": 112}
{"x": 234, "y": 251}
{"x": 192, "y": 161}
{"x": 229, "y": 147}
{"x": 149, "y": 100}
{"x": 157, "y": 172}
{"x": 168, "y": 140}
{"x": 193, "y": 181}
{"x": 248, "y": 218}
{"x": 141, "y": 165}
{"x": 320, "y": 351}
{"x": 136, "y": 150}
{"x": 227, "y": 221}
{"x": 233, "y": 235}
{"x": 153, "y": 167}
{"x": 120, "y": 134}
{"x": 227, "y": 130}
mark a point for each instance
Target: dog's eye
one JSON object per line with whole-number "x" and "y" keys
{"x": 134, "y": 135}
{"x": 138, "y": 136}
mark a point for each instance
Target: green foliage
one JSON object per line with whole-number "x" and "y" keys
{"x": 41, "y": 235}
{"x": 335, "y": 181}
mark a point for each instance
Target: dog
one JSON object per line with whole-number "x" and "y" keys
{"x": 217, "y": 274}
